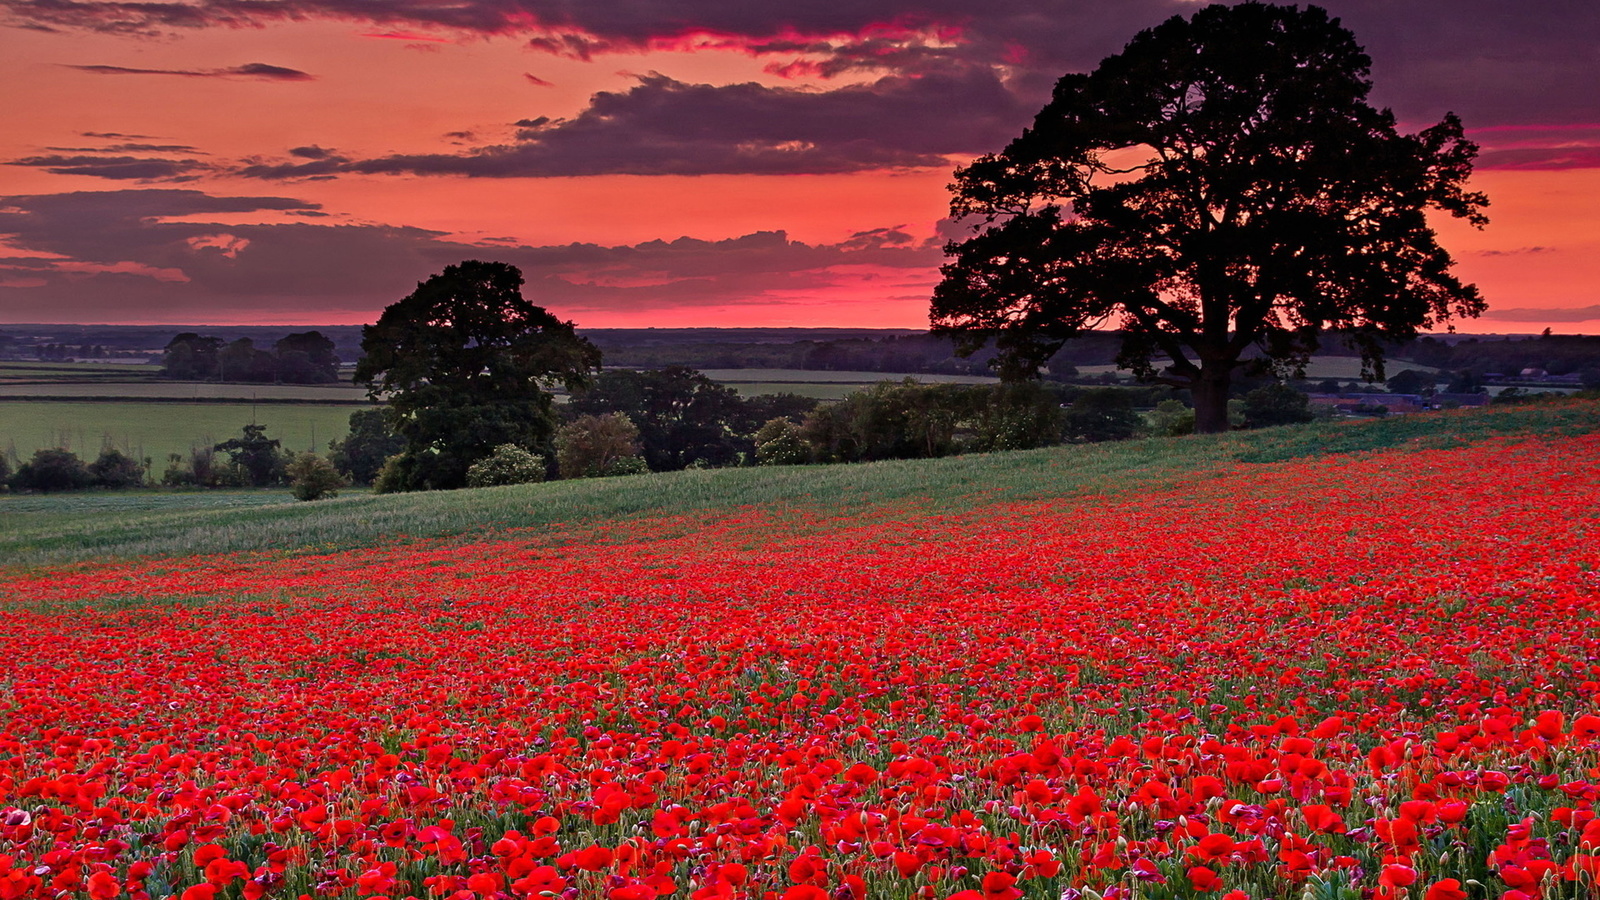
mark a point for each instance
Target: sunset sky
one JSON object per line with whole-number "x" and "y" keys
{"x": 657, "y": 162}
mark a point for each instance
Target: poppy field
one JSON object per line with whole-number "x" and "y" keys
{"x": 1360, "y": 676}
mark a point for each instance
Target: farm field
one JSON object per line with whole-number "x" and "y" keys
{"x": 45, "y": 405}
{"x": 823, "y": 384}
{"x": 155, "y": 429}
{"x": 43, "y": 370}
{"x": 26, "y": 512}
{"x": 1343, "y": 368}
{"x": 185, "y": 390}
{"x": 1250, "y": 668}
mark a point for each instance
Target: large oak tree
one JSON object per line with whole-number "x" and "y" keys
{"x": 466, "y": 364}
{"x": 1223, "y": 192}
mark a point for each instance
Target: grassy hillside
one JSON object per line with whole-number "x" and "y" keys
{"x": 38, "y": 531}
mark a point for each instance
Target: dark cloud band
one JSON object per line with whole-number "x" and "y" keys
{"x": 260, "y": 71}
{"x": 117, "y": 168}
{"x": 116, "y": 254}
{"x": 663, "y": 126}
{"x": 1493, "y": 61}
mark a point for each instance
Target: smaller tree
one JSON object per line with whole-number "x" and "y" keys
{"x": 191, "y": 357}
{"x": 57, "y": 469}
{"x": 1102, "y": 414}
{"x": 392, "y": 475}
{"x": 1466, "y": 381}
{"x": 1171, "y": 418}
{"x": 307, "y": 358}
{"x": 684, "y": 418}
{"x": 780, "y": 443}
{"x": 312, "y": 477}
{"x": 1018, "y": 416}
{"x": 255, "y": 455}
{"x": 241, "y": 361}
{"x": 115, "y": 469}
{"x": 1410, "y": 381}
{"x": 594, "y": 445}
{"x": 763, "y": 408}
{"x": 508, "y": 464}
{"x": 362, "y": 451}
{"x": 1276, "y": 404}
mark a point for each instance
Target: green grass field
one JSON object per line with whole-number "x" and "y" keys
{"x": 40, "y": 531}
{"x": 108, "y": 389}
{"x": 818, "y": 376}
{"x": 30, "y": 370}
{"x": 156, "y": 429}
{"x": 823, "y": 385}
{"x": 1344, "y": 368}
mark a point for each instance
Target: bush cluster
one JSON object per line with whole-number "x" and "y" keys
{"x": 59, "y": 469}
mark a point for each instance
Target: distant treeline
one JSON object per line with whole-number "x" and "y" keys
{"x": 1555, "y": 354}
{"x": 914, "y": 353}
{"x": 862, "y": 350}
{"x": 305, "y": 358}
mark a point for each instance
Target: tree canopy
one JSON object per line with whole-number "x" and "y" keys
{"x": 304, "y": 358}
{"x": 683, "y": 416}
{"x": 1222, "y": 191}
{"x": 466, "y": 364}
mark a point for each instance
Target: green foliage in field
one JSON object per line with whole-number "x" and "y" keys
{"x": 39, "y": 531}
{"x": 102, "y": 389}
{"x": 311, "y": 477}
{"x": 370, "y": 442}
{"x": 508, "y": 464}
{"x": 155, "y": 430}
{"x": 598, "y": 446}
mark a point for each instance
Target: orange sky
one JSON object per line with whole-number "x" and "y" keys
{"x": 859, "y": 245}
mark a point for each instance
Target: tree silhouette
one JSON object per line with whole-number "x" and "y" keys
{"x": 1223, "y": 192}
{"x": 465, "y": 364}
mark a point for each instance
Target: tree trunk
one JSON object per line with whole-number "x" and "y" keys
{"x": 1210, "y": 392}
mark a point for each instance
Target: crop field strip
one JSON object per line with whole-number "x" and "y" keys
{"x": 154, "y": 429}
{"x": 29, "y": 537}
{"x": 184, "y": 390}
{"x": 1218, "y": 667}
{"x": 83, "y": 412}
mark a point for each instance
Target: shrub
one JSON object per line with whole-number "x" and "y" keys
{"x": 1171, "y": 418}
{"x": 779, "y": 443}
{"x": 391, "y": 476}
{"x": 889, "y": 420}
{"x": 508, "y": 464}
{"x": 57, "y": 469}
{"x": 312, "y": 477}
{"x": 1102, "y": 414}
{"x": 1276, "y": 404}
{"x": 1015, "y": 416}
{"x": 589, "y": 446}
{"x": 628, "y": 465}
{"x": 115, "y": 469}
{"x": 177, "y": 474}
